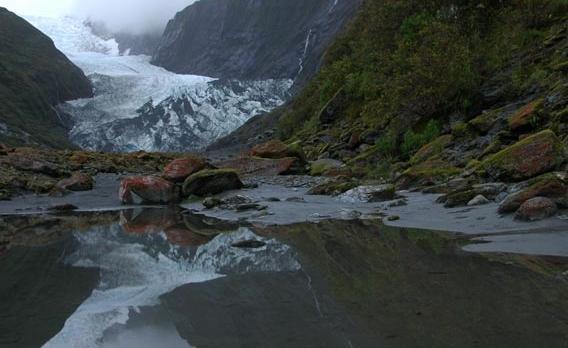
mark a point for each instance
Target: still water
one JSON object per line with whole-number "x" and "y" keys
{"x": 167, "y": 278}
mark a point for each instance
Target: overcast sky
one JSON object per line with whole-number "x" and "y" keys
{"x": 131, "y": 15}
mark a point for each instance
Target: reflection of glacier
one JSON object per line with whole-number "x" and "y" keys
{"x": 115, "y": 119}
{"x": 136, "y": 270}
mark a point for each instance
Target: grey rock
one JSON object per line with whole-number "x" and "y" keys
{"x": 478, "y": 200}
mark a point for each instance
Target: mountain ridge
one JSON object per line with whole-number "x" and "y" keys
{"x": 34, "y": 77}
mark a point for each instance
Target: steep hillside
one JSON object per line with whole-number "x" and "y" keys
{"x": 34, "y": 77}
{"x": 252, "y": 39}
{"x": 420, "y": 91}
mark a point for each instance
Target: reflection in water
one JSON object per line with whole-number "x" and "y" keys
{"x": 136, "y": 269}
{"x": 163, "y": 277}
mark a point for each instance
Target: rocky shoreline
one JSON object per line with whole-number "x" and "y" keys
{"x": 271, "y": 185}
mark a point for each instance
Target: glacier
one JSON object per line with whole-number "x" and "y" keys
{"x": 139, "y": 106}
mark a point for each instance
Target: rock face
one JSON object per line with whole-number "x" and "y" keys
{"x": 149, "y": 189}
{"x": 211, "y": 182}
{"x": 538, "y": 208}
{"x": 529, "y": 157}
{"x": 178, "y": 170}
{"x": 252, "y": 39}
{"x": 35, "y": 77}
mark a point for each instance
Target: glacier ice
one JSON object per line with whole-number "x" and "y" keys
{"x": 136, "y": 104}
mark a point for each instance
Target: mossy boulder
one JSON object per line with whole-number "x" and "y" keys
{"x": 432, "y": 149}
{"x": 484, "y": 122}
{"x": 211, "y": 182}
{"x": 256, "y": 166}
{"x": 534, "y": 155}
{"x": 333, "y": 187}
{"x": 276, "y": 149}
{"x": 431, "y": 172}
{"x": 538, "y": 208}
{"x": 325, "y": 166}
{"x": 527, "y": 117}
{"x": 551, "y": 185}
{"x": 457, "y": 199}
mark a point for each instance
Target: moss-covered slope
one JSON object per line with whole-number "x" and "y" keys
{"x": 34, "y": 77}
{"x": 408, "y": 71}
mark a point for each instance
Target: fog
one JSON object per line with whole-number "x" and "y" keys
{"x": 135, "y": 16}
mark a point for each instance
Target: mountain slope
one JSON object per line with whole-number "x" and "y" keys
{"x": 34, "y": 77}
{"x": 252, "y": 39}
{"x": 429, "y": 89}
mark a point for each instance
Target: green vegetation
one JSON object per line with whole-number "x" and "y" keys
{"x": 407, "y": 69}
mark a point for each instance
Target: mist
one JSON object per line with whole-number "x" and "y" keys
{"x": 133, "y": 16}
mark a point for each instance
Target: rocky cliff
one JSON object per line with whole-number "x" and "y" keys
{"x": 34, "y": 77}
{"x": 253, "y": 39}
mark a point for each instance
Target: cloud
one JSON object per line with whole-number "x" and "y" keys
{"x": 45, "y": 8}
{"x": 134, "y": 16}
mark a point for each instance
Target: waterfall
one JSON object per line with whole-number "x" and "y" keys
{"x": 305, "y": 52}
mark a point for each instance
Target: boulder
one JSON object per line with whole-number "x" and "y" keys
{"x": 77, "y": 182}
{"x": 211, "y": 182}
{"x": 333, "y": 187}
{"x": 23, "y": 162}
{"x": 263, "y": 166}
{"x": 429, "y": 150}
{"x": 478, "y": 200}
{"x": 526, "y": 117}
{"x": 180, "y": 169}
{"x": 538, "y": 208}
{"x": 534, "y": 155}
{"x": 274, "y": 149}
{"x": 428, "y": 173}
{"x": 325, "y": 166}
{"x": 457, "y": 198}
{"x": 150, "y": 189}
{"x": 550, "y": 185}
{"x": 369, "y": 194}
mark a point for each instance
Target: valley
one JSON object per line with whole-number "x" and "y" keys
{"x": 269, "y": 173}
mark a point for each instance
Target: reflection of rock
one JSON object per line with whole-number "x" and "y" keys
{"x": 179, "y": 234}
{"x": 150, "y": 189}
{"x": 147, "y": 220}
{"x": 179, "y": 229}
